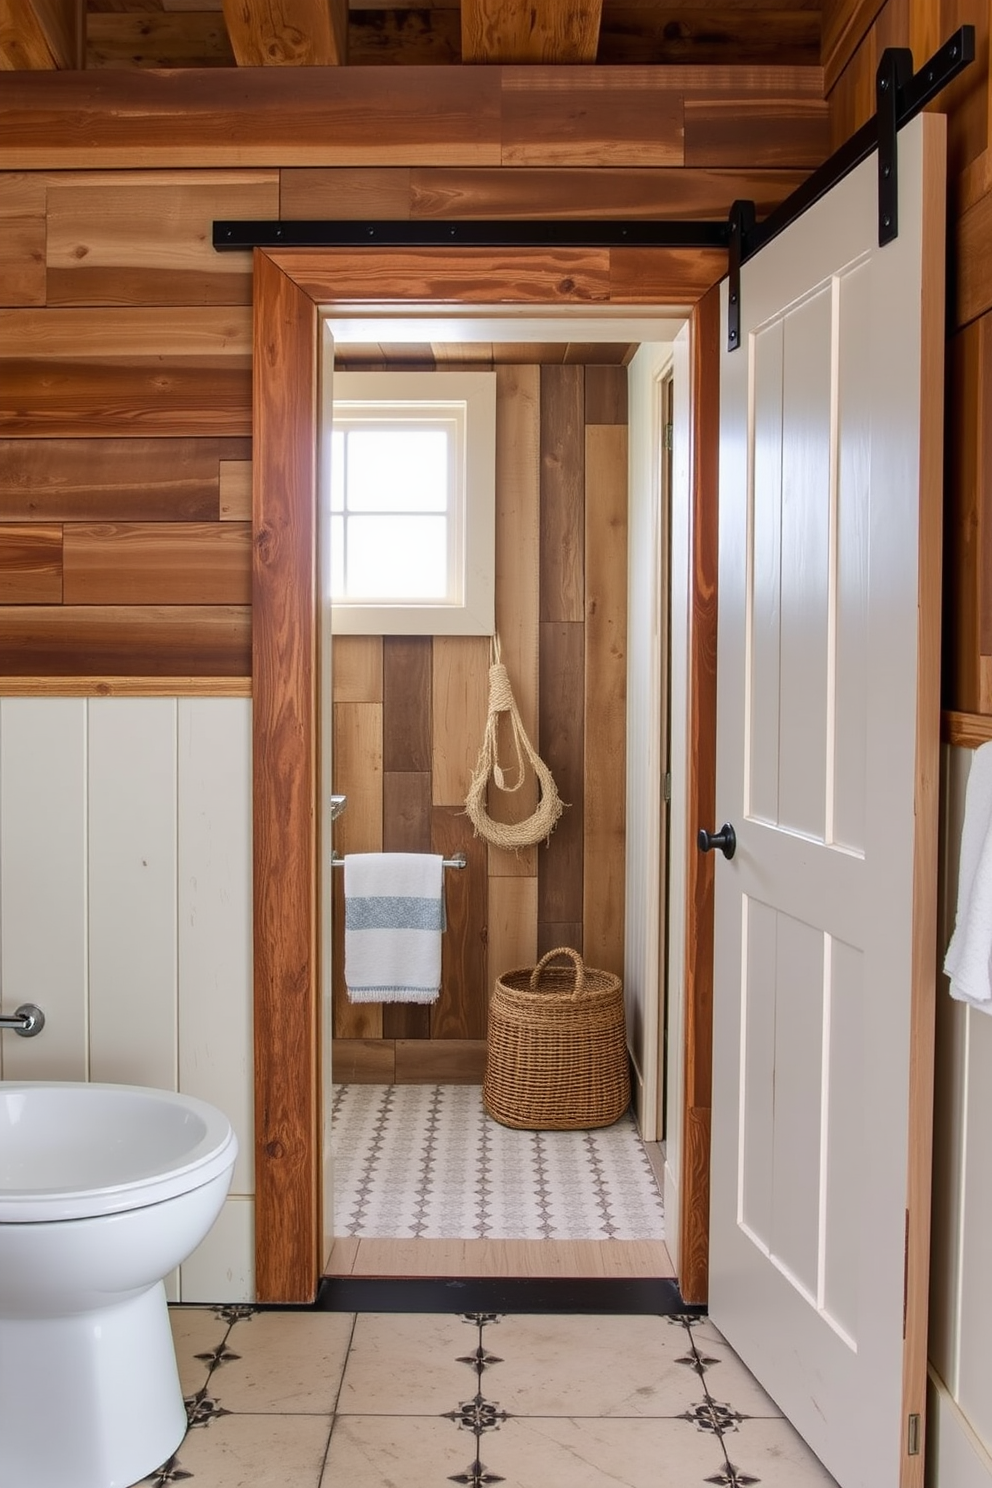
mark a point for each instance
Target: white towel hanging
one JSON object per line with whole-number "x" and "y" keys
{"x": 394, "y": 915}
{"x": 968, "y": 962}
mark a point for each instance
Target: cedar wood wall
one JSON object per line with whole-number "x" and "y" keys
{"x": 125, "y": 422}
{"x": 125, "y": 446}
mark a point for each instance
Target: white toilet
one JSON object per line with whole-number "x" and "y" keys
{"x": 103, "y": 1190}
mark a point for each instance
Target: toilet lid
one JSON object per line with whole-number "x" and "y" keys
{"x": 73, "y": 1151}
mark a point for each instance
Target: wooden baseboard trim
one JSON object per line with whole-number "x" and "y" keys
{"x": 408, "y": 1061}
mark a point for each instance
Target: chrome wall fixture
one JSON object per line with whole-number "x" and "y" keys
{"x": 458, "y": 861}
{"x": 27, "y": 1021}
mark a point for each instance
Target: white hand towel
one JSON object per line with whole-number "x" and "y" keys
{"x": 394, "y": 915}
{"x": 968, "y": 962}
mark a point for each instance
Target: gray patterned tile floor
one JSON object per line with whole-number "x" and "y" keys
{"x": 425, "y": 1161}
{"x": 405, "y": 1400}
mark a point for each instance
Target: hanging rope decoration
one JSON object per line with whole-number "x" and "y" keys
{"x": 539, "y": 826}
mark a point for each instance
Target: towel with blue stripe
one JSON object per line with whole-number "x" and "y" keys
{"x": 394, "y": 916}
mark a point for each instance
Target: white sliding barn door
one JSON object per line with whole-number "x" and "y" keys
{"x": 826, "y": 766}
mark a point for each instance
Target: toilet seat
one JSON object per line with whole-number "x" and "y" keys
{"x": 139, "y": 1150}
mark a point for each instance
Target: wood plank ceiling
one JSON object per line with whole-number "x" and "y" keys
{"x": 73, "y": 34}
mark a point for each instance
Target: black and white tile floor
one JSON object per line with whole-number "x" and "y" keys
{"x": 425, "y": 1161}
{"x": 413, "y": 1400}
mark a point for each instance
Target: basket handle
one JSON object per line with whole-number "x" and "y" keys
{"x": 580, "y": 970}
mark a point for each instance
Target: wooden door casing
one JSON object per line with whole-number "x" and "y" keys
{"x": 289, "y": 287}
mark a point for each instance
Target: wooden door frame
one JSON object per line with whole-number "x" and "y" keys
{"x": 290, "y": 289}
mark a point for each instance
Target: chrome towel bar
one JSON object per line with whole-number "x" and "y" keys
{"x": 458, "y": 861}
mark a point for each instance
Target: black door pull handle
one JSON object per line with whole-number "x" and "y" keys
{"x": 725, "y": 840}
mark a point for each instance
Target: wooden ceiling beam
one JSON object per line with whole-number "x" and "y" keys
{"x": 557, "y": 31}
{"x": 288, "y": 33}
{"x": 40, "y": 35}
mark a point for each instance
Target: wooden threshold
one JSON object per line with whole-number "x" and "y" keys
{"x": 580, "y": 1258}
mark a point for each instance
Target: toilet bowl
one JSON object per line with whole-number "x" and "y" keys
{"x": 104, "y": 1189}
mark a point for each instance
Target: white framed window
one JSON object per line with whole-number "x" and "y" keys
{"x": 408, "y": 478}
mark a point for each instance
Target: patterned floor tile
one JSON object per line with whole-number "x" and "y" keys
{"x": 726, "y": 1378}
{"x": 604, "y": 1366}
{"x": 397, "y": 1452}
{"x": 409, "y": 1364}
{"x": 198, "y": 1333}
{"x": 774, "y": 1455}
{"x": 426, "y": 1161}
{"x": 264, "y": 1451}
{"x": 557, "y": 1452}
{"x": 283, "y": 1362}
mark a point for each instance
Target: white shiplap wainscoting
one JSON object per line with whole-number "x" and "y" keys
{"x": 959, "y": 1420}
{"x": 125, "y": 913}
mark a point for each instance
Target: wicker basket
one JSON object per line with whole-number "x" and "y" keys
{"x": 557, "y": 1047}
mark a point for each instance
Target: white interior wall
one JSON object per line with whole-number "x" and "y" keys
{"x": 960, "y": 1405}
{"x": 645, "y": 765}
{"x": 125, "y": 913}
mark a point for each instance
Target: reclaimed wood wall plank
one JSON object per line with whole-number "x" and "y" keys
{"x": 24, "y": 227}
{"x": 207, "y": 334}
{"x": 30, "y": 564}
{"x": 562, "y": 709}
{"x": 345, "y": 192}
{"x": 562, "y": 493}
{"x": 212, "y": 117}
{"x": 459, "y": 699}
{"x": 157, "y": 563}
{"x": 613, "y": 117}
{"x": 753, "y": 132}
{"x": 512, "y": 924}
{"x": 234, "y": 490}
{"x": 356, "y": 758}
{"x": 406, "y": 827}
{"x": 606, "y": 395}
{"x": 460, "y": 1011}
{"x": 605, "y": 714}
{"x": 114, "y": 480}
{"x": 110, "y": 640}
{"x": 973, "y": 256}
{"x": 406, "y": 702}
{"x": 518, "y": 582}
{"x": 139, "y": 241}
{"x": 425, "y": 192}
{"x": 65, "y": 399}
{"x": 652, "y": 192}
{"x": 356, "y": 668}
{"x": 351, "y": 117}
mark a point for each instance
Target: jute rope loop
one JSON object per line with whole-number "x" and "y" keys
{"x": 539, "y": 826}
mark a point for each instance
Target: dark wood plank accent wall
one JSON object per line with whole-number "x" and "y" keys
{"x": 432, "y": 696}
{"x": 855, "y": 34}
